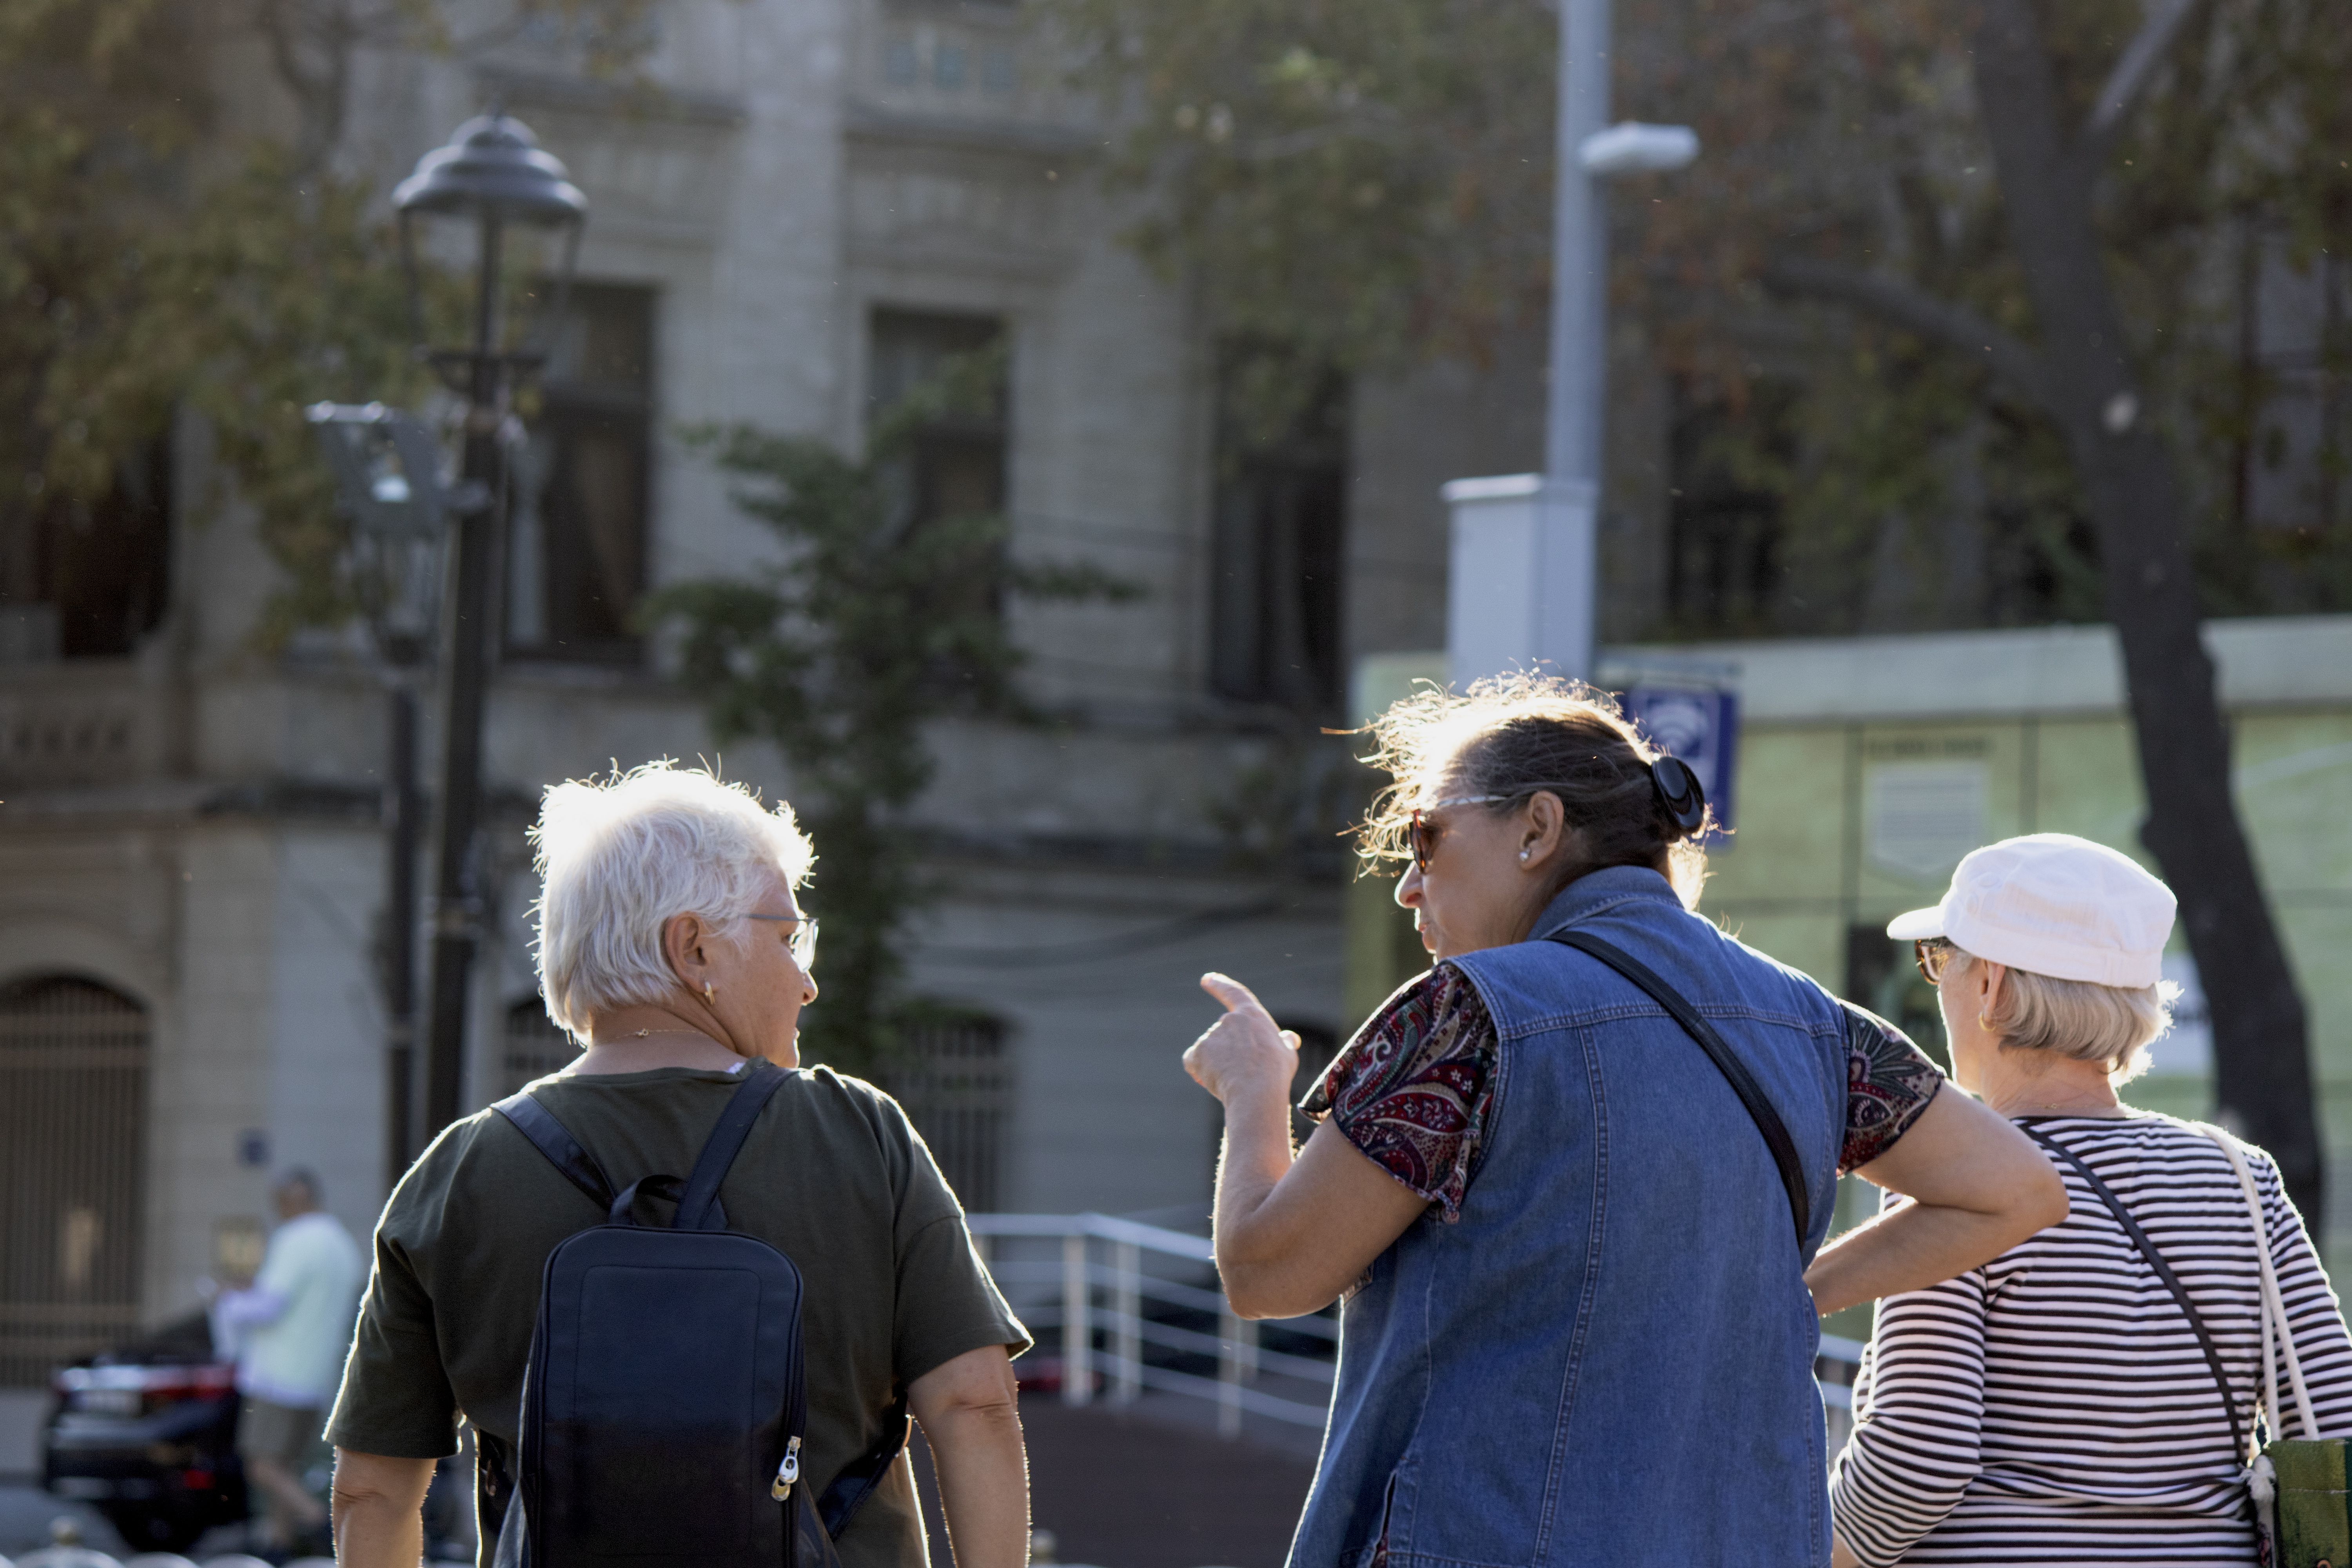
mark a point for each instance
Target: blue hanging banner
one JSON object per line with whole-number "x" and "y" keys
{"x": 1700, "y": 725}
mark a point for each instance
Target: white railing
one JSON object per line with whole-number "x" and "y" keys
{"x": 1133, "y": 1286}
{"x": 1097, "y": 1278}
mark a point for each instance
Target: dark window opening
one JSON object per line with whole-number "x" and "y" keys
{"x": 531, "y": 1046}
{"x": 948, "y": 1071}
{"x": 577, "y": 567}
{"x": 88, "y": 579}
{"x": 73, "y": 1197}
{"x": 1279, "y": 534}
{"x": 954, "y": 464}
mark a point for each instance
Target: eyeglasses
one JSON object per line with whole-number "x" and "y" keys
{"x": 1932, "y": 954}
{"x": 1422, "y": 835}
{"x": 804, "y": 937}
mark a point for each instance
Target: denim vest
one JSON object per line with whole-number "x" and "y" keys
{"x": 1609, "y": 1358}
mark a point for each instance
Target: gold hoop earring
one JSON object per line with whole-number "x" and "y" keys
{"x": 1984, "y": 1022}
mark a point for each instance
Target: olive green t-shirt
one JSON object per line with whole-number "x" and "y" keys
{"x": 832, "y": 1176}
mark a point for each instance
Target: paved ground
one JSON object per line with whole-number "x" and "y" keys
{"x": 1150, "y": 1487}
{"x": 1154, "y": 1487}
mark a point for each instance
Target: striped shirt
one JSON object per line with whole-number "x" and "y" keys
{"x": 2052, "y": 1406}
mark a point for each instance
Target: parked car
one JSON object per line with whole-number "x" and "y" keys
{"x": 146, "y": 1434}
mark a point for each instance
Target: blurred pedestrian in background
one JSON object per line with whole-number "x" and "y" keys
{"x": 673, "y": 946}
{"x": 2060, "y": 1403}
{"x": 290, "y": 1328}
{"x": 1578, "y": 1326}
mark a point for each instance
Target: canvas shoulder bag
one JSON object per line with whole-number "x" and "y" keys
{"x": 2298, "y": 1483}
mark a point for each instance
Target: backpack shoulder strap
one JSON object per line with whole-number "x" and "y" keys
{"x": 553, "y": 1139}
{"x": 1743, "y": 1082}
{"x": 2139, "y": 1239}
{"x": 698, "y": 1209}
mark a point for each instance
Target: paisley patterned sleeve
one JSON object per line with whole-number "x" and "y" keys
{"x": 1414, "y": 1089}
{"x": 1888, "y": 1082}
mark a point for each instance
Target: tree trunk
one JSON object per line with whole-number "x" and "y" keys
{"x": 2262, "y": 1060}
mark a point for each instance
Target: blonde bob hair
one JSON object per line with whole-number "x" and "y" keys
{"x": 1512, "y": 737}
{"x": 618, "y": 858}
{"x": 2111, "y": 1025}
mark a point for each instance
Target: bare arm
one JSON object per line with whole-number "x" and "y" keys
{"x": 378, "y": 1506}
{"x": 1291, "y": 1233}
{"x": 1978, "y": 1188}
{"x": 970, "y": 1414}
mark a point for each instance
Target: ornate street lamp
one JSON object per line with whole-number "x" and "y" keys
{"x": 493, "y": 179}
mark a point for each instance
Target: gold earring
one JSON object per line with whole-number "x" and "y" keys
{"x": 705, "y": 991}
{"x": 1984, "y": 1022}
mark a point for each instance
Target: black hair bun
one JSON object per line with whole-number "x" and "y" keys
{"x": 1679, "y": 794}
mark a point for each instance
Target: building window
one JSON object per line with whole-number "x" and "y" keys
{"x": 577, "y": 566}
{"x": 88, "y": 579}
{"x": 73, "y": 1156}
{"x": 955, "y": 462}
{"x": 950, "y": 1074}
{"x": 531, "y": 1047}
{"x": 1280, "y": 514}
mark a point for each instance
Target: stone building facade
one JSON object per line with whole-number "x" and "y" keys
{"x": 801, "y": 199}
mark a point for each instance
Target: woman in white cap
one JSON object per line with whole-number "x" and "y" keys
{"x": 2060, "y": 1403}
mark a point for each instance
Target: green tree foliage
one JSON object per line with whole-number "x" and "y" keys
{"x": 1370, "y": 179}
{"x": 872, "y": 622}
{"x": 154, "y": 260}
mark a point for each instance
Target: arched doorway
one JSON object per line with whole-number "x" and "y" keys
{"x": 73, "y": 1160}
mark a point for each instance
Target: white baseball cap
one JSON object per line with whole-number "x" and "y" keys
{"x": 2050, "y": 903}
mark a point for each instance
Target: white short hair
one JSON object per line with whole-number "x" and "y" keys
{"x": 618, "y": 858}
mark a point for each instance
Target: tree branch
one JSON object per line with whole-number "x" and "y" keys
{"x": 2133, "y": 71}
{"x": 1900, "y": 302}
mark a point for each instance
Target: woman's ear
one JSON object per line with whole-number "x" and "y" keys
{"x": 1989, "y": 978}
{"x": 1543, "y": 830}
{"x": 683, "y": 939}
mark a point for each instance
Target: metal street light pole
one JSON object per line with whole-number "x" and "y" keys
{"x": 1525, "y": 548}
{"x": 494, "y": 173}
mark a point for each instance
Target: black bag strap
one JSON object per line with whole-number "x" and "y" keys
{"x": 553, "y": 1139}
{"x": 698, "y": 1209}
{"x": 858, "y": 1478}
{"x": 1743, "y": 1083}
{"x": 2139, "y": 1238}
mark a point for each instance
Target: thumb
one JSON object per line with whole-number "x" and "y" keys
{"x": 1235, "y": 995}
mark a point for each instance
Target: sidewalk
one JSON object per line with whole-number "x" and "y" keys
{"x": 1152, "y": 1486}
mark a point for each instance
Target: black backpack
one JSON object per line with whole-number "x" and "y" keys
{"x": 663, "y": 1406}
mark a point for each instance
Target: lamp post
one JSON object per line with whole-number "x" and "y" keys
{"x": 1525, "y": 546}
{"x": 493, "y": 177}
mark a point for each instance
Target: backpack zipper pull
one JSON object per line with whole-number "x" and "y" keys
{"x": 788, "y": 1472}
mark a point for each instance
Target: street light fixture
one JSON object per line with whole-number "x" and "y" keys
{"x": 493, "y": 177}
{"x": 387, "y": 468}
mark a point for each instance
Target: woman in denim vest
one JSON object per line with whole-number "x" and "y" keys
{"x": 1580, "y": 1325}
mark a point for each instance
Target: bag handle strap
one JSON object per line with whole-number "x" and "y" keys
{"x": 553, "y": 1139}
{"x": 858, "y": 1478}
{"x": 1743, "y": 1082}
{"x": 698, "y": 1209}
{"x": 2139, "y": 1239}
{"x": 2276, "y": 1326}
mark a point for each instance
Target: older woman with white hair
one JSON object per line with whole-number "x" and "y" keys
{"x": 672, "y": 945}
{"x": 2089, "y": 1395}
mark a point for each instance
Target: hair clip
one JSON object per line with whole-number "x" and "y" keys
{"x": 1677, "y": 789}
